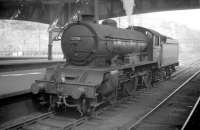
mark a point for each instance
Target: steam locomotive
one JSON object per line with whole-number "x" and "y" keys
{"x": 105, "y": 63}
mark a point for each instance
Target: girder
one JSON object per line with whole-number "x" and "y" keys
{"x": 46, "y": 11}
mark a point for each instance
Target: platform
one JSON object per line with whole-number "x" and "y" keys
{"x": 16, "y": 76}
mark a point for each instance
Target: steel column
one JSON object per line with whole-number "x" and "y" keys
{"x": 50, "y": 46}
{"x": 96, "y": 10}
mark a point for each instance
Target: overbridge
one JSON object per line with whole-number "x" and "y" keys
{"x": 47, "y": 11}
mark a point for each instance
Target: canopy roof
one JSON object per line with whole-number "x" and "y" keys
{"x": 46, "y": 11}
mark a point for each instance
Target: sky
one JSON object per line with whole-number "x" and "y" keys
{"x": 190, "y": 18}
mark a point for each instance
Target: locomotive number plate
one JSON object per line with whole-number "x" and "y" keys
{"x": 75, "y": 38}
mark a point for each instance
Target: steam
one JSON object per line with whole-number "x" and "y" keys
{"x": 128, "y": 6}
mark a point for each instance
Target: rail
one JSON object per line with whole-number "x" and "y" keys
{"x": 45, "y": 120}
{"x": 179, "y": 72}
{"x": 190, "y": 115}
{"x": 133, "y": 126}
{"x": 18, "y": 124}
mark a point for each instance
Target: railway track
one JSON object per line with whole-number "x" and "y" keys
{"x": 186, "y": 69}
{"x": 192, "y": 121}
{"x": 172, "y": 112}
{"x": 56, "y": 121}
{"x": 50, "y": 120}
{"x": 43, "y": 121}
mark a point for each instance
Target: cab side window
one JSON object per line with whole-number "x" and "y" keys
{"x": 148, "y": 34}
{"x": 156, "y": 41}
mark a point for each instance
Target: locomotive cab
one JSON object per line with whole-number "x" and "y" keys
{"x": 164, "y": 49}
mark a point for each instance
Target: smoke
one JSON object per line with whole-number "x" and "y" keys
{"x": 128, "y": 6}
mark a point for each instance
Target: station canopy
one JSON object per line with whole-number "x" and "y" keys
{"x": 61, "y": 11}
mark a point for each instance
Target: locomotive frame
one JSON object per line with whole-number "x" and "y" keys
{"x": 114, "y": 69}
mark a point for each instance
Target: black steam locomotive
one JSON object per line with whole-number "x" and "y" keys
{"x": 105, "y": 63}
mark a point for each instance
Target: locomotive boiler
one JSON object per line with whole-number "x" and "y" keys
{"x": 86, "y": 43}
{"x": 103, "y": 64}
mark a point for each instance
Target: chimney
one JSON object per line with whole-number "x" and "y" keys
{"x": 87, "y": 18}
